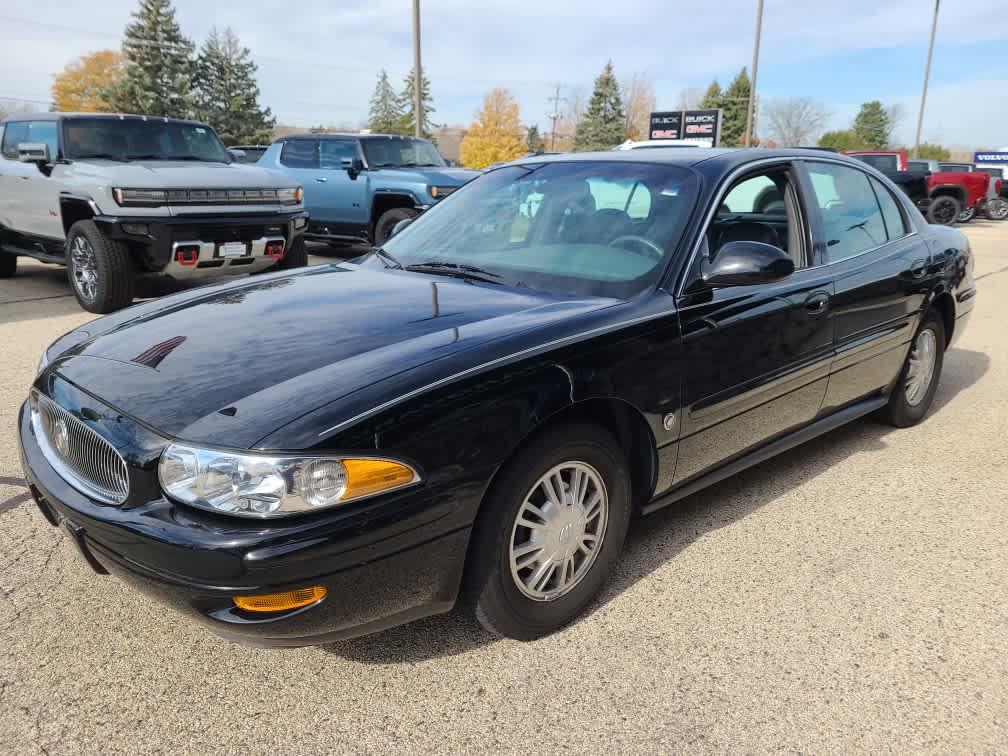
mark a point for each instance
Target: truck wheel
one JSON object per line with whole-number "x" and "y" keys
{"x": 966, "y": 215}
{"x": 997, "y": 209}
{"x": 100, "y": 270}
{"x": 943, "y": 210}
{"x": 383, "y": 228}
{"x": 295, "y": 257}
{"x": 8, "y": 264}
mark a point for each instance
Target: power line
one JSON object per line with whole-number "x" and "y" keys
{"x": 556, "y": 99}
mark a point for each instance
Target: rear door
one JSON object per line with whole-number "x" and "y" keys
{"x": 756, "y": 357}
{"x": 882, "y": 270}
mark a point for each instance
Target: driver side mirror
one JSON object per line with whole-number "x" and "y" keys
{"x": 33, "y": 152}
{"x": 353, "y": 167}
{"x": 743, "y": 263}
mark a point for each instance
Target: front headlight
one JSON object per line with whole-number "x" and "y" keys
{"x": 259, "y": 485}
{"x": 290, "y": 196}
{"x": 440, "y": 192}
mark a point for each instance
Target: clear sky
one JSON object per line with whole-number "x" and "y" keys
{"x": 318, "y": 58}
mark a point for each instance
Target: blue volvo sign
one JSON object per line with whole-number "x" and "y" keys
{"x": 999, "y": 156}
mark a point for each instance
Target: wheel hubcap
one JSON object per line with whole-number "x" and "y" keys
{"x": 921, "y": 368}
{"x": 558, "y": 531}
{"x": 84, "y": 267}
{"x": 945, "y": 212}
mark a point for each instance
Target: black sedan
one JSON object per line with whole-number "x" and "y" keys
{"x": 474, "y": 413}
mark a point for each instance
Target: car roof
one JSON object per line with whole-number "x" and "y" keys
{"x": 345, "y": 135}
{"x": 57, "y": 116}
{"x": 721, "y": 157}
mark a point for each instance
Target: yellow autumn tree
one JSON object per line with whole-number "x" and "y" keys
{"x": 496, "y": 135}
{"x": 82, "y": 85}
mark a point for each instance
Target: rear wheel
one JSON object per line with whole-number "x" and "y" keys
{"x": 914, "y": 391}
{"x": 387, "y": 221}
{"x": 943, "y": 210}
{"x": 100, "y": 270}
{"x": 8, "y": 264}
{"x": 549, "y": 532}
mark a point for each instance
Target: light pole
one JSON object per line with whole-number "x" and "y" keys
{"x": 927, "y": 75}
{"x": 755, "y": 69}
{"x": 417, "y": 75}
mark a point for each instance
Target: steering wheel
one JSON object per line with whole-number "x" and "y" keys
{"x": 653, "y": 250}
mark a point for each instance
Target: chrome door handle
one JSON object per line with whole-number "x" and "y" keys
{"x": 918, "y": 268}
{"x": 322, "y": 180}
{"x": 817, "y": 304}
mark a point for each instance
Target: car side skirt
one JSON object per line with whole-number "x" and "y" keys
{"x": 768, "y": 450}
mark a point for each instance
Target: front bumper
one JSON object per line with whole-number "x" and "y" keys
{"x": 154, "y": 238}
{"x": 383, "y": 564}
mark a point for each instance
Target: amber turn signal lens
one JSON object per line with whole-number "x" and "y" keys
{"x": 281, "y": 602}
{"x": 368, "y": 476}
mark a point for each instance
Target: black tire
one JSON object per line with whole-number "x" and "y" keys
{"x": 903, "y": 410}
{"x": 295, "y": 257}
{"x": 388, "y": 219}
{"x": 943, "y": 210}
{"x": 490, "y": 590}
{"x": 115, "y": 276}
{"x": 966, "y": 215}
{"x": 8, "y": 264}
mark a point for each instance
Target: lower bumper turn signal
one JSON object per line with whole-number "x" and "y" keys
{"x": 281, "y": 602}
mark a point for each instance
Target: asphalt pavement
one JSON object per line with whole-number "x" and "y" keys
{"x": 848, "y": 596}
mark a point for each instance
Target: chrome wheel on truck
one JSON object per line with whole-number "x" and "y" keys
{"x": 83, "y": 268}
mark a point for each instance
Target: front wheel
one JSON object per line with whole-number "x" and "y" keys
{"x": 943, "y": 210}
{"x": 966, "y": 215}
{"x": 914, "y": 391}
{"x": 387, "y": 221}
{"x": 100, "y": 270}
{"x": 549, "y": 532}
{"x": 997, "y": 209}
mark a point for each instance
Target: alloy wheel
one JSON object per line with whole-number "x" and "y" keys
{"x": 945, "y": 211}
{"x": 558, "y": 531}
{"x": 921, "y": 368}
{"x": 84, "y": 267}
{"x": 997, "y": 209}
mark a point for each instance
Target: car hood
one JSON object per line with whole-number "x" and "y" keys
{"x": 231, "y": 364}
{"x": 183, "y": 174}
{"x": 437, "y": 176}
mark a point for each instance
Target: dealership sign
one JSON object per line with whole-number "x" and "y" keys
{"x": 687, "y": 124}
{"x": 1001, "y": 156}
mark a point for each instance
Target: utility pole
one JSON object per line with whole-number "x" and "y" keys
{"x": 556, "y": 99}
{"x": 417, "y": 73}
{"x": 755, "y": 69}
{"x": 927, "y": 75}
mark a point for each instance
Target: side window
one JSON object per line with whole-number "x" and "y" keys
{"x": 761, "y": 208}
{"x": 14, "y": 134}
{"x": 333, "y": 151}
{"x": 892, "y": 215}
{"x": 851, "y": 216}
{"x": 755, "y": 195}
{"x": 300, "y": 153}
{"x": 632, "y": 198}
{"x": 44, "y": 132}
{"x": 639, "y": 206}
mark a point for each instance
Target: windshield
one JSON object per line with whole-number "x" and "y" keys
{"x": 398, "y": 152}
{"x": 997, "y": 173}
{"x": 881, "y": 162}
{"x": 571, "y": 228}
{"x": 136, "y": 138}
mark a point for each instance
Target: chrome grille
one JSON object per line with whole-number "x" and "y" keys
{"x": 82, "y": 458}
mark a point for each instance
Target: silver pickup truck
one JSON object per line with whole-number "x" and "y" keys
{"x": 114, "y": 197}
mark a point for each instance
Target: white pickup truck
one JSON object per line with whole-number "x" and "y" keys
{"x": 113, "y": 197}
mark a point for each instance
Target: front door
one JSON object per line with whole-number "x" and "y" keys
{"x": 30, "y": 197}
{"x": 756, "y": 357}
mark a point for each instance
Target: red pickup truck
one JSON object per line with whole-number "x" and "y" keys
{"x": 968, "y": 191}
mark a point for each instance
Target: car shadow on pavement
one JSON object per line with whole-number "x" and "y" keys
{"x": 655, "y": 540}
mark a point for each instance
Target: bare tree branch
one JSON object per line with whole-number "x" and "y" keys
{"x": 795, "y": 121}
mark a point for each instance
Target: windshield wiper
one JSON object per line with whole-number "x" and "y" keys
{"x": 385, "y": 257}
{"x": 100, "y": 156}
{"x": 457, "y": 270}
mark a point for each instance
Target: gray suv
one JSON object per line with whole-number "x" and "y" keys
{"x": 117, "y": 196}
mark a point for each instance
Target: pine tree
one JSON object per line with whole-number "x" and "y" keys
{"x": 385, "y": 116}
{"x": 407, "y": 121}
{"x": 158, "y": 64}
{"x": 735, "y": 102}
{"x": 713, "y": 97}
{"x": 226, "y": 93}
{"x": 602, "y": 125}
{"x": 497, "y": 135}
{"x": 534, "y": 140}
{"x": 872, "y": 125}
